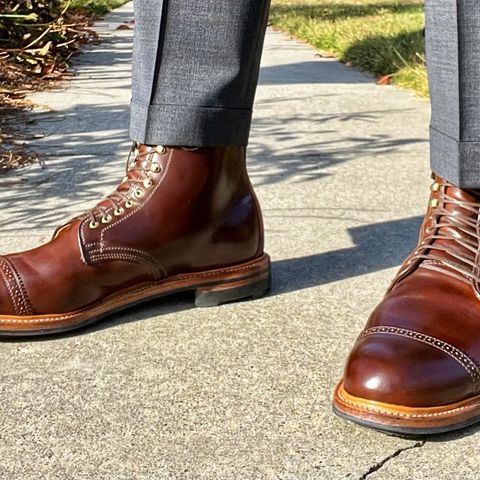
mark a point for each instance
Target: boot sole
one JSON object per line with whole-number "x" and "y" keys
{"x": 212, "y": 288}
{"x": 403, "y": 421}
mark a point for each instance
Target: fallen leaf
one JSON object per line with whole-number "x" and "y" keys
{"x": 324, "y": 54}
{"x": 44, "y": 50}
{"x": 385, "y": 80}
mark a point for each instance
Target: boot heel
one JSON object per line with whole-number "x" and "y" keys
{"x": 214, "y": 295}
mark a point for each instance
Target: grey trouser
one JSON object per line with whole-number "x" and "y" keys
{"x": 453, "y": 56}
{"x": 196, "y": 64}
{"x": 195, "y": 70}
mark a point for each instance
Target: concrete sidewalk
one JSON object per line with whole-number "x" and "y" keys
{"x": 241, "y": 391}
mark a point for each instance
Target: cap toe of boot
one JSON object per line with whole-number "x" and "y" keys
{"x": 402, "y": 367}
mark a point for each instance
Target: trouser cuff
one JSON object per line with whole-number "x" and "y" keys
{"x": 189, "y": 126}
{"x": 456, "y": 162}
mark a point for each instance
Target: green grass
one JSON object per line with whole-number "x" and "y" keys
{"x": 97, "y": 7}
{"x": 383, "y": 37}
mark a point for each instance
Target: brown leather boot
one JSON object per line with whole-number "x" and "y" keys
{"x": 182, "y": 219}
{"x": 415, "y": 369}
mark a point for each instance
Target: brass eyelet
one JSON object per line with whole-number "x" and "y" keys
{"x": 433, "y": 202}
{"x": 155, "y": 167}
{"x": 129, "y": 204}
{"x": 118, "y": 211}
{"x": 107, "y": 219}
{"x": 160, "y": 149}
{"x": 147, "y": 183}
{"x": 138, "y": 193}
{"x": 93, "y": 225}
{"x": 435, "y": 187}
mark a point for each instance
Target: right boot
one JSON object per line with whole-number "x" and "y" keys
{"x": 415, "y": 368}
{"x": 182, "y": 219}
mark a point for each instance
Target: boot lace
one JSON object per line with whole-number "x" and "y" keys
{"x": 140, "y": 168}
{"x": 451, "y": 243}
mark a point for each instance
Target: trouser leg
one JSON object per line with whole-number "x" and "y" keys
{"x": 195, "y": 70}
{"x": 453, "y": 57}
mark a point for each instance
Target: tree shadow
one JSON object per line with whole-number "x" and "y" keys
{"x": 312, "y": 160}
{"x": 88, "y": 162}
{"x": 85, "y": 145}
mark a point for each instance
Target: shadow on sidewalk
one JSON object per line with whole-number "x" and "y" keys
{"x": 309, "y": 153}
{"x": 455, "y": 435}
{"x": 314, "y": 72}
{"x": 377, "y": 247}
{"x": 88, "y": 159}
{"x": 85, "y": 143}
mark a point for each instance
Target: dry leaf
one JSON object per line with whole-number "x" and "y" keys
{"x": 324, "y": 54}
{"x": 385, "y": 80}
{"x": 44, "y": 50}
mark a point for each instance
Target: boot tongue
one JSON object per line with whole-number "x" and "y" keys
{"x": 145, "y": 149}
{"x": 450, "y": 231}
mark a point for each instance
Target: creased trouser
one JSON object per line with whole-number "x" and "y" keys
{"x": 453, "y": 57}
{"x": 195, "y": 70}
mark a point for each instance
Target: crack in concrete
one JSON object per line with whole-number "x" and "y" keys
{"x": 396, "y": 453}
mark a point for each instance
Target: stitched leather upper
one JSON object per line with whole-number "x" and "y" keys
{"x": 15, "y": 287}
{"x": 421, "y": 345}
{"x": 196, "y": 211}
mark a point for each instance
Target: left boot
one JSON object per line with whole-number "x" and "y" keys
{"x": 181, "y": 220}
{"x": 415, "y": 369}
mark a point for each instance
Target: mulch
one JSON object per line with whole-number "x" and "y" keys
{"x": 37, "y": 42}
